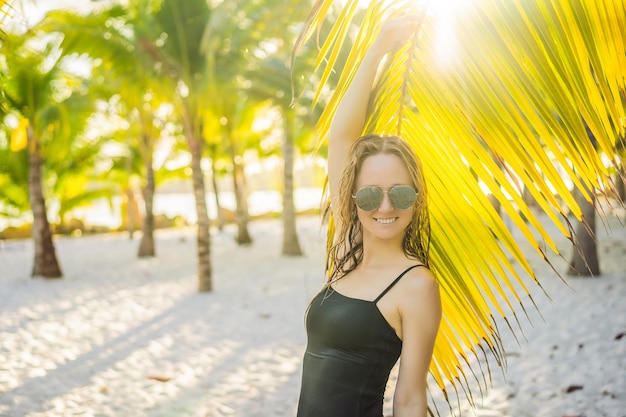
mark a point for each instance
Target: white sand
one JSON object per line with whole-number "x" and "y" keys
{"x": 120, "y": 336}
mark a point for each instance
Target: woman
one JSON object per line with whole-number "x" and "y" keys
{"x": 381, "y": 301}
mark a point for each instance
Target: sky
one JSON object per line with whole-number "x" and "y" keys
{"x": 29, "y": 12}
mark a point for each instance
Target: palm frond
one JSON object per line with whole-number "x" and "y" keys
{"x": 5, "y": 12}
{"x": 535, "y": 98}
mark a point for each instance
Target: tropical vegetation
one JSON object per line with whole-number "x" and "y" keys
{"x": 140, "y": 61}
{"x": 517, "y": 110}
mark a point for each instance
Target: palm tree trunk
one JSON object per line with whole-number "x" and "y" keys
{"x": 220, "y": 212}
{"x": 45, "y": 262}
{"x": 241, "y": 202}
{"x": 241, "y": 211}
{"x": 132, "y": 212}
{"x": 291, "y": 244}
{"x": 620, "y": 183}
{"x": 195, "y": 143}
{"x": 146, "y": 246}
{"x": 528, "y": 198}
{"x": 584, "y": 260}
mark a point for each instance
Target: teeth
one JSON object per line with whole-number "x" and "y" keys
{"x": 386, "y": 221}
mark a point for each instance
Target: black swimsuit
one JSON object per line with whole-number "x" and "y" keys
{"x": 350, "y": 352}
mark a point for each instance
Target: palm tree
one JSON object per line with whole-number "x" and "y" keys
{"x": 267, "y": 79}
{"x": 620, "y": 183}
{"x": 176, "y": 58}
{"x": 584, "y": 260}
{"x": 31, "y": 94}
{"x": 272, "y": 81}
{"x": 33, "y": 102}
{"x": 239, "y": 113}
{"x": 184, "y": 64}
{"x": 523, "y": 75}
{"x": 147, "y": 141}
{"x": 225, "y": 47}
{"x": 291, "y": 244}
{"x": 214, "y": 157}
{"x": 233, "y": 128}
{"x": 128, "y": 71}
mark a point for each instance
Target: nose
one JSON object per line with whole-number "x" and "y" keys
{"x": 385, "y": 205}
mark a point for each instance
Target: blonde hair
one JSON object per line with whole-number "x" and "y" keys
{"x": 346, "y": 252}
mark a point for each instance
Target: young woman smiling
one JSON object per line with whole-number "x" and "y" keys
{"x": 381, "y": 302}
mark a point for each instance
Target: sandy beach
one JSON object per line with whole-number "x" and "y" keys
{"x": 120, "y": 336}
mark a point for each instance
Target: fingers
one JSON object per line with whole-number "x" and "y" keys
{"x": 408, "y": 24}
{"x": 395, "y": 32}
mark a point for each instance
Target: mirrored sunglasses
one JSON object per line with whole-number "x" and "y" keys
{"x": 402, "y": 197}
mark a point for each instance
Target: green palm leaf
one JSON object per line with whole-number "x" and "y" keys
{"x": 529, "y": 79}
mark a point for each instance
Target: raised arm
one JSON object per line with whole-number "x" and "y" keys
{"x": 349, "y": 119}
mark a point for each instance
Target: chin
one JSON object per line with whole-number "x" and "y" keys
{"x": 391, "y": 231}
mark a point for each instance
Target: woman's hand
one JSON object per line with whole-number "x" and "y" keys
{"x": 394, "y": 33}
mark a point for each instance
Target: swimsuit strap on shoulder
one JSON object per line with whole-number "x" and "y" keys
{"x": 394, "y": 282}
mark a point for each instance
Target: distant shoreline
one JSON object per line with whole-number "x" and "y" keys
{"x": 101, "y": 218}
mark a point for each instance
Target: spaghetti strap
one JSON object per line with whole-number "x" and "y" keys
{"x": 395, "y": 281}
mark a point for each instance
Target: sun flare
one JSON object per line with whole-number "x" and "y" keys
{"x": 446, "y": 14}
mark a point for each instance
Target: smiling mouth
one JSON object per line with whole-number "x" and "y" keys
{"x": 386, "y": 221}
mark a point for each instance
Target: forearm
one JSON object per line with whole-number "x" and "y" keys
{"x": 350, "y": 116}
{"x": 416, "y": 408}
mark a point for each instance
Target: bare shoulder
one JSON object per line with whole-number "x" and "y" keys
{"x": 419, "y": 280}
{"x": 419, "y": 290}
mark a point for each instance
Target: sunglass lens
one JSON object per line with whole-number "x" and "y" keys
{"x": 402, "y": 197}
{"x": 369, "y": 198}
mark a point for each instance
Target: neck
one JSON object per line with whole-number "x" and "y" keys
{"x": 381, "y": 253}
